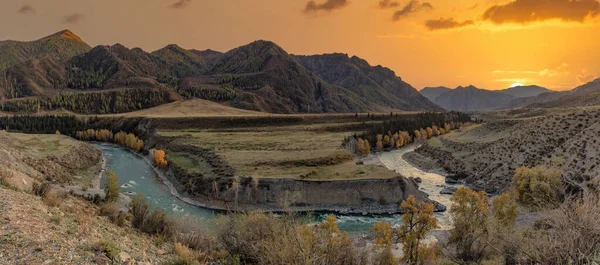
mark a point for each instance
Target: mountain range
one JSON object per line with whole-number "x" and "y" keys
{"x": 473, "y": 99}
{"x": 62, "y": 71}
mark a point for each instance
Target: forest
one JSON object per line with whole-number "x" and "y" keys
{"x": 106, "y": 102}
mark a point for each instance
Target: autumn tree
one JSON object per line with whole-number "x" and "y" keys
{"x": 387, "y": 142}
{"x": 470, "y": 212}
{"x": 57, "y": 132}
{"x": 417, "y": 221}
{"x": 417, "y": 135}
{"x": 379, "y": 144}
{"x": 360, "y": 146}
{"x": 159, "y": 158}
{"x": 367, "y": 147}
{"x": 385, "y": 236}
{"x": 539, "y": 187}
{"x": 111, "y": 187}
{"x": 429, "y": 132}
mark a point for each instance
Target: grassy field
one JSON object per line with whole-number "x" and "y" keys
{"x": 305, "y": 152}
{"x": 42, "y": 145}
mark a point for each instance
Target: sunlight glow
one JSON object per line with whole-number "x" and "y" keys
{"x": 516, "y": 85}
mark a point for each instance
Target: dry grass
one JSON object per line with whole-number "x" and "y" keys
{"x": 54, "y": 198}
{"x": 192, "y": 108}
{"x": 278, "y": 152}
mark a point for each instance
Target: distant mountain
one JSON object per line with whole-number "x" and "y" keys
{"x": 61, "y": 45}
{"x": 259, "y": 76}
{"x": 376, "y": 84}
{"x": 469, "y": 98}
{"x": 432, "y": 93}
{"x": 582, "y": 96}
{"x": 525, "y": 91}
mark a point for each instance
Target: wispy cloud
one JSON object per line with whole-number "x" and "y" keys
{"x": 412, "y": 7}
{"x": 561, "y": 70}
{"x": 73, "y": 18}
{"x": 328, "y": 6}
{"x": 385, "y": 4}
{"x": 181, "y": 4}
{"x": 446, "y": 23}
{"x": 529, "y": 11}
{"x": 26, "y": 9}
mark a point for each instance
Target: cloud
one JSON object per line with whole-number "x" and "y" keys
{"x": 26, "y": 9}
{"x": 396, "y": 36}
{"x": 329, "y": 5}
{"x": 181, "y": 4}
{"x": 561, "y": 70}
{"x": 384, "y": 4}
{"x": 446, "y": 23}
{"x": 586, "y": 77}
{"x": 528, "y": 11}
{"x": 73, "y": 18}
{"x": 412, "y": 7}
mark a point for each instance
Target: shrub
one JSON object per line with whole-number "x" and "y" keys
{"x": 53, "y": 198}
{"x": 84, "y": 221}
{"x": 40, "y": 189}
{"x": 257, "y": 238}
{"x": 148, "y": 220}
{"x": 191, "y": 232}
{"x": 111, "y": 188}
{"x": 539, "y": 187}
{"x": 470, "y": 211}
{"x": 110, "y": 249}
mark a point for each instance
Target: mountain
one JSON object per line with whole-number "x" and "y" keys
{"x": 61, "y": 45}
{"x": 375, "y": 84}
{"x": 472, "y": 99}
{"x": 260, "y": 76}
{"x": 525, "y": 91}
{"x": 432, "y": 93}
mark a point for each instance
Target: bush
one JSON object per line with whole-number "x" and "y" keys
{"x": 53, "y": 198}
{"x": 539, "y": 187}
{"x": 257, "y": 238}
{"x": 148, "y": 220}
{"x": 108, "y": 248}
{"x": 116, "y": 216}
{"x": 191, "y": 232}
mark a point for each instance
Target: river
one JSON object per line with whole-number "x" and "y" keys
{"x": 136, "y": 176}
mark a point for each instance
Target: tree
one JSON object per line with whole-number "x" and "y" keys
{"x": 417, "y": 135}
{"x": 418, "y": 220}
{"x": 502, "y": 227}
{"x": 387, "y": 141}
{"x": 470, "y": 212}
{"x": 367, "y": 147}
{"x": 360, "y": 148}
{"x": 159, "y": 158}
{"x": 57, "y": 132}
{"x": 111, "y": 188}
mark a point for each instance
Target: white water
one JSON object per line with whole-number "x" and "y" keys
{"x": 432, "y": 182}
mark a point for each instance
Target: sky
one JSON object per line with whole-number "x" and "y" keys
{"x": 492, "y": 44}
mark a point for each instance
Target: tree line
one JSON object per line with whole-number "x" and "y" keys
{"x": 128, "y": 140}
{"x": 398, "y": 132}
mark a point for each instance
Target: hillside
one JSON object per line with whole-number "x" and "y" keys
{"x": 472, "y": 99}
{"x": 487, "y": 155}
{"x": 375, "y": 84}
{"x": 260, "y": 76}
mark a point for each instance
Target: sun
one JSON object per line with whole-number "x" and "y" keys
{"x": 516, "y": 85}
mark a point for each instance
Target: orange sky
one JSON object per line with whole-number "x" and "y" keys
{"x": 488, "y": 43}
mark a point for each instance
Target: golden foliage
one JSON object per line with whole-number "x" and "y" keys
{"x": 111, "y": 188}
{"x": 418, "y": 220}
{"x": 159, "y": 158}
{"x": 470, "y": 212}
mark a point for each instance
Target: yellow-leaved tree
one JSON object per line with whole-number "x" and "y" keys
{"x": 417, "y": 221}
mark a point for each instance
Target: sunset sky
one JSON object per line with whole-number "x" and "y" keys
{"x": 488, "y": 43}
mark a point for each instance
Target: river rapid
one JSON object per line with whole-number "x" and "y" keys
{"x": 136, "y": 176}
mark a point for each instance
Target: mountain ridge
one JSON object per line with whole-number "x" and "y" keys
{"x": 259, "y": 76}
